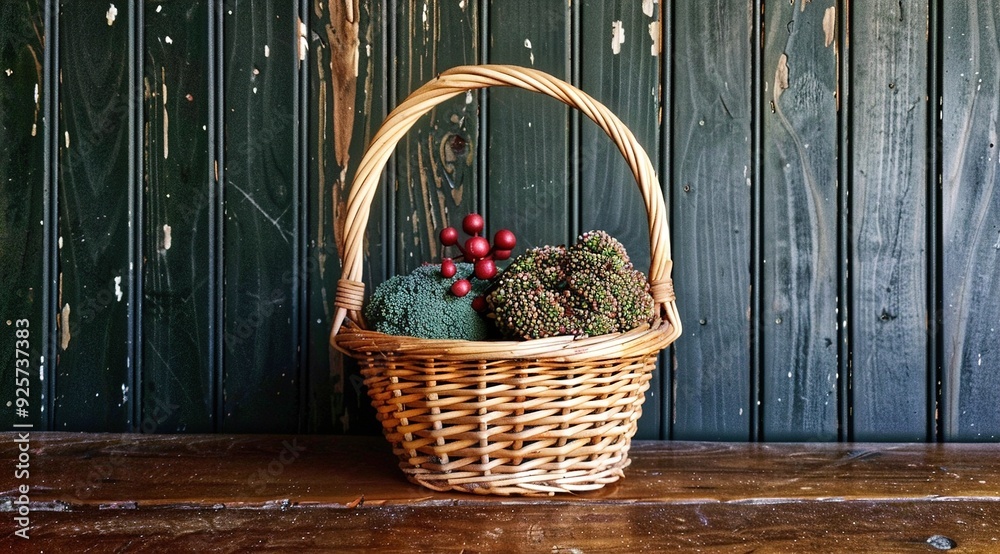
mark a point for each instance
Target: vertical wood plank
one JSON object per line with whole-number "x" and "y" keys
{"x": 260, "y": 228}
{"x": 971, "y": 220}
{"x": 711, "y": 218}
{"x": 800, "y": 224}
{"x": 94, "y": 360}
{"x": 23, "y": 133}
{"x": 344, "y": 111}
{"x": 888, "y": 207}
{"x": 177, "y": 370}
{"x": 625, "y": 76}
{"x": 436, "y": 163}
{"x": 528, "y": 184}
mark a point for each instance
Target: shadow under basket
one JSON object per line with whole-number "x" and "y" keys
{"x": 531, "y": 417}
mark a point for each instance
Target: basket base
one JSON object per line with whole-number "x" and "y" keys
{"x": 537, "y": 482}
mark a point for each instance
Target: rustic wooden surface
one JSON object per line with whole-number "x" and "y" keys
{"x": 846, "y": 291}
{"x": 178, "y": 390}
{"x": 712, "y": 229}
{"x": 98, "y": 199}
{"x": 889, "y": 268}
{"x": 270, "y": 492}
{"x": 799, "y": 330}
{"x": 971, "y": 221}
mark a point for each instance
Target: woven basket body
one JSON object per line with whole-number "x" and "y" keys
{"x": 505, "y": 417}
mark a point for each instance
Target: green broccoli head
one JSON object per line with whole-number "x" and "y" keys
{"x": 420, "y": 304}
{"x": 587, "y": 289}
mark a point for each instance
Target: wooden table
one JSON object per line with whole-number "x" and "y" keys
{"x": 198, "y": 493}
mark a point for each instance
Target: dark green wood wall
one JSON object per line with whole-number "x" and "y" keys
{"x": 173, "y": 176}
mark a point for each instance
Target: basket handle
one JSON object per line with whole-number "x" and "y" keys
{"x": 350, "y": 288}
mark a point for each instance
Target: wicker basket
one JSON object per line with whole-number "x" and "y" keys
{"x": 505, "y": 417}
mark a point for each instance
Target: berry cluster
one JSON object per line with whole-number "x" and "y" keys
{"x": 476, "y": 250}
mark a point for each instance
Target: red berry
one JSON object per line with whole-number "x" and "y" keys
{"x": 473, "y": 224}
{"x": 479, "y": 304}
{"x": 504, "y": 239}
{"x": 461, "y": 287}
{"x": 448, "y": 268}
{"x": 477, "y": 247}
{"x": 486, "y": 269}
{"x": 449, "y": 236}
{"x": 501, "y": 254}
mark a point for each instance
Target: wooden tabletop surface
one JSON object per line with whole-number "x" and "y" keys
{"x": 237, "y": 493}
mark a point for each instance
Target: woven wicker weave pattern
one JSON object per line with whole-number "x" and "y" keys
{"x": 506, "y": 417}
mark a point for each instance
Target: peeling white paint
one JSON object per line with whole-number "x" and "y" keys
{"x": 267, "y": 51}
{"x": 304, "y": 42}
{"x": 111, "y": 15}
{"x": 66, "y": 137}
{"x": 168, "y": 40}
{"x": 166, "y": 118}
{"x": 617, "y": 36}
{"x": 654, "y": 33}
{"x": 461, "y": 4}
{"x": 647, "y": 7}
{"x": 167, "y": 241}
{"x": 36, "y": 93}
{"x": 159, "y": 8}
{"x": 60, "y": 242}
{"x": 423, "y": 17}
{"x": 531, "y": 53}
{"x": 468, "y": 97}
{"x": 118, "y": 288}
{"x": 10, "y": 72}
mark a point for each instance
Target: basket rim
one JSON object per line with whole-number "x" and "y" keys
{"x": 639, "y": 341}
{"x": 349, "y": 299}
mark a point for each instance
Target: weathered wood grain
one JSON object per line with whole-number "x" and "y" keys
{"x": 178, "y": 371}
{"x": 436, "y": 165}
{"x": 971, "y": 220}
{"x": 528, "y": 183}
{"x": 278, "y": 492}
{"x": 712, "y": 214}
{"x": 97, "y": 189}
{"x": 261, "y": 231}
{"x": 625, "y": 76}
{"x": 23, "y": 139}
{"x": 889, "y": 232}
{"x": 336, "y": 401}
{"x": 799, "y": 212}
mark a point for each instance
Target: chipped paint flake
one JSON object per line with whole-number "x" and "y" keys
{"x": 159, "y": 8}
{"x": 166, "y": 238}
{"x": 60, "y": 242}
{"x": 64, "y": 333}
{"x": 617, "y": 36}
{"x": 118, "y": 288}
{"x": 829, "y": 25}
{"x": 168, "y": 40}
{"x": 531, "y": 53}
{"x": 780, "y": 78}
{"x": 36, "y": 91}
{"x": 10, "y": 72}
{"x": 111, "y": 15}
{"x": 654, "y": 33}
{"x": 267, "y": 51}
{"x": 66, "y": 138}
